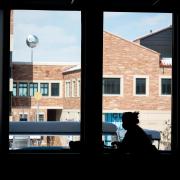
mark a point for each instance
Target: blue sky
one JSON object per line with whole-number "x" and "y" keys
{"x": 59, "y": 33}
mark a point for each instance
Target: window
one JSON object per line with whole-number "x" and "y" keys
{"x": 33, "y": 87}
{"x": 73, "y": 88}
{"x": 111, "y": 86}
{"x": 44, "y": 89}
{"x": 41, "y": 117}
{"x": 46, "y": 67}
{"x": 165, "y": 86}
{"x": 23, "y": 89}
{"x": 79, "y": 88}
{"x": 14, "y": 89}
{"x": 67, "y": 88}
{"x": 88, "y": 48}
{"x": 141, "y": 86}
{"x": 23, "y": 116}
{"x": 54, "y": 89}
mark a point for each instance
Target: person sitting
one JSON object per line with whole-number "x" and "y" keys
{"x": 135, "y": 140}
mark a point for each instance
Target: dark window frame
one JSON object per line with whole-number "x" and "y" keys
{"x": 21, "y": 87}
{"x": 43, "y": 88}
{"x": 33, "y": 88}
{"x": 15, "y": 83}
{"x": 167, "y": 90}
{"x": 92, "y": 41}
{"x": 58, "y": 91}
{"x": 142, "y": 90}
{"x": 107, "y": 84}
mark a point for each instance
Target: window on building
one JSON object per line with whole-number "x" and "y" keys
{"x": 33, "y": 87}
{"x": 23, "y": 89}
{"x": 111, "y": 86}
{"x": 23, "y": 116}
{"x": 41, "y": 117}
{"x": 54, "y": 89}
{"x": 79, "y": 88}
{"x": 67, "y": 88}
{"x": 166, "y": 86}
{"x": 140, "y": 86}
{"x": 44, "y": 89}
{"x": 73, "y": 88}
{"x": 14, "y": 89}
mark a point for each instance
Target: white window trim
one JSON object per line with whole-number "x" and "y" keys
{"x": 160, "y": 78}
{"x": 147, "y": 85}
{"x": 121, "y": 84}
{"x": 78, "y": 88}
{"x": 73, "y": 93}
{"x": 67, "y": 81}
{"x": 41, "y": 113}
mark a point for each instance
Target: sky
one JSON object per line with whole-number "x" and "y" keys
{"x": 59, "y": 33}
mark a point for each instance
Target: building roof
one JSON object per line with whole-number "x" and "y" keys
{"x": 73, "y": 68}
{"x": 152, "y": 33}
{"x": 166, "y": 62}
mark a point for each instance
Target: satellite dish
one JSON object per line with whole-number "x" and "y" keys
{"x": 32, "y": 41}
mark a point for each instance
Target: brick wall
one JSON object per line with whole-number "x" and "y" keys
{"x": 71, "y": 102}
{"x": 121, "y": 57}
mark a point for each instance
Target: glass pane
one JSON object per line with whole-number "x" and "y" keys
{"x": 137, "y": 69}
{"x": 166, "y": 86}
{"x": 46, "y": 53}
{"x": 140, "y": 86}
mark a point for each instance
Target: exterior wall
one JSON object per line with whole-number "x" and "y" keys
{"x": 122, "y": 58}
{"x": 71, "y": 102}
{"x": 30, "y": 112}
{"x": 39, "y": 74}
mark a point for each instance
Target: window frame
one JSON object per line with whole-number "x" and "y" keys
{"x": 92, "y": 28}
{"x": 44, "y": 83}
{"x": 68, "y": 93}
{"x": 33, "y": 83}
{"x": 146, "y": 77}
{"x": 27, "y": 88}
{"x": 73, "y": 87}
{"x": 160, "y": 86}
{"x": 120, "y": 77}
{"x": 78, "y": 87}
{"x": 59, "y": 93}
{"x": 15, "y": 83}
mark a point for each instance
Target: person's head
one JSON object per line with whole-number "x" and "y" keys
{"x": 130, "y": 119}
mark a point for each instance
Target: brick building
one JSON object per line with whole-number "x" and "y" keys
{"x": 134, "y": 78}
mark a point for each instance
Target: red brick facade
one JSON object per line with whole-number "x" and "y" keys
{"x": 121, "y": 58}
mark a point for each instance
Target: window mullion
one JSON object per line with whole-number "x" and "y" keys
{"x": 91, "y": 75}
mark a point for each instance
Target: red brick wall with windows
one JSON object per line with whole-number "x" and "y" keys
{"x": 121, "y": 57}
{"x": 44, "y": 73}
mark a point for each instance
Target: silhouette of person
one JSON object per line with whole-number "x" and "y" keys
{"x": 135, "y": 140}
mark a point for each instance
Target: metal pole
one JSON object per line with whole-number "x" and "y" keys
{"x": 37, "y": 115}
{"x": 31, "y": 55}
